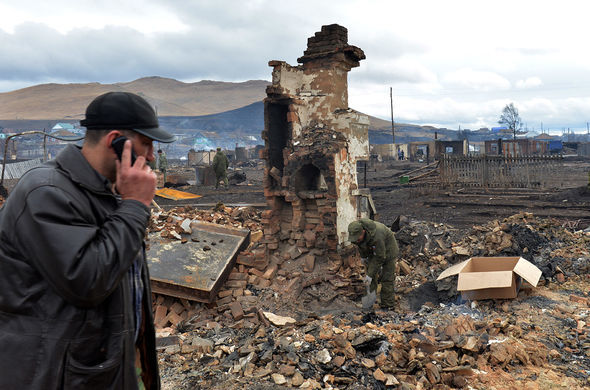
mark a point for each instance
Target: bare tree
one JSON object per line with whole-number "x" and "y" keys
{"x": 511, "y": 119}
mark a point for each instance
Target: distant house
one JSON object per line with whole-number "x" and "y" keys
{"x": 517, "y": 147}
{"x": 203, "y": 142}
{"x": 64, "y": 134}
{"x": 63, "y": 126}
{"x": 476, "y": 147}
{"x": 555, "y": 146}
{"x": 502, "y": 129}
{"x": 545, "y": 137}
{"x": 450, "y": 147}
{"x": 68, "y": 127}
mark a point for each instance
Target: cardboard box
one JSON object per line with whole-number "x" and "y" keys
{"x": 492, "y": 277}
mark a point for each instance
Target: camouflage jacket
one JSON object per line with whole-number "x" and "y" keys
{"x": 220, "y": 163}
{"x": 162, "y": 162}
{"x": 379, "y": 242}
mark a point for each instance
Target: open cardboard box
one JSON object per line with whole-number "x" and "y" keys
{"x": 492, "y": 277}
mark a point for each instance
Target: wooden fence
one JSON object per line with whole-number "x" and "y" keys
{"x": 501, "y": 171}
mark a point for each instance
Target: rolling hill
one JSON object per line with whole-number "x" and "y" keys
{"x": 223, "y": 108}
{"x": 170, "y": 98}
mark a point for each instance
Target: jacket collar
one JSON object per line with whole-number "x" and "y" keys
{"x": 72, "y": 161}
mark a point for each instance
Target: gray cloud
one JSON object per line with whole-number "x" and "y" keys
{"x": 218, "y": 44}
{"x": 113, "y": 54}
{"x": 233, "y": 40}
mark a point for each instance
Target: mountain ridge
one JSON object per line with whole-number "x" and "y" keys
{"x": 170, "y": 97}
{"x": 227, "y": 108}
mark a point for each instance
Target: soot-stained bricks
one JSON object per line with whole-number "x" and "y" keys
{"x": 313, "y": 142}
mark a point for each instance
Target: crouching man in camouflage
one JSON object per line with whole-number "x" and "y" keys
{"x": 377, "y": 243}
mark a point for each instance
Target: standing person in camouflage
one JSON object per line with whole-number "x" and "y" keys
{"x": 162, "y": 163}
{"x": 220, "y": 164}
{"x": 378, "y": 245}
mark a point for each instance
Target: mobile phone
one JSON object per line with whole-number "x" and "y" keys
{"x": 118, "y": 144}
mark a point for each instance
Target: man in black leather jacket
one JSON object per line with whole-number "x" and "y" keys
{"x": 75, "y": 299}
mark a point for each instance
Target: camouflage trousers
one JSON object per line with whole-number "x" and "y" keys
{"x": 219, "y": 177}
{"x": 383, "y": 272}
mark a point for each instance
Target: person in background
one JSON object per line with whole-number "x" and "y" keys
{"x": 75, "y": 298}
{"x": 220, "y": 164}
{"x": 162, "y": 163}
{"x": 377, "y": 244}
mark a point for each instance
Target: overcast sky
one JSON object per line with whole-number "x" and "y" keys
{"x": 450, "y": 63}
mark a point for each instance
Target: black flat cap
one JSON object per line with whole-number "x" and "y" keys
{"x": 125, "y": 111}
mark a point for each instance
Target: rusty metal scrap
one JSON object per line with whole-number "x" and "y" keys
{"x": 194, "y": 265}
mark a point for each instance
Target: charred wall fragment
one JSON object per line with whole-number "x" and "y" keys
{"x": 312, "y": 144}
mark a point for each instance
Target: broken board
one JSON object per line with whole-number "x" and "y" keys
{"x": 173, "y": 194}
{"x": 198, "y": 268}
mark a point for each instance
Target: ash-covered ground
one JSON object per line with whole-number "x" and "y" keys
{"x": 301, "y": 329}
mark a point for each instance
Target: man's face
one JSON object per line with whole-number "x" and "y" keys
{"x": 361, "y": 237}
{"x": 142, "y": 145}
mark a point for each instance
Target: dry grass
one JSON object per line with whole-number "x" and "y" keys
{"x": 170, "y": 97}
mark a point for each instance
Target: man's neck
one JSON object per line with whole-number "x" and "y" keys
{"x": 94, "y": 154}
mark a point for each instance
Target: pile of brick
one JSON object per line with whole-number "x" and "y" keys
{"x": 166, "y": 222}
{"x": 453, "y": 346}
{"x": 304, "y": 214}
{"x": 169, "y": 312}
{"x": 261, "y": 330}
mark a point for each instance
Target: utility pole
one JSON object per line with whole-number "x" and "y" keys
{"x": 392, "y": 122}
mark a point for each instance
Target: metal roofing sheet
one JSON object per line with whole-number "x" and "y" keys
{"x": 16, "y": 170}
{"x": 195, "y": 269}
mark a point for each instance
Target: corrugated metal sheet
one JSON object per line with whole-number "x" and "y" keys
{"x": 584, "y": 149}
{"x": 16, "y": 170}
{"x": 555, "y": 145}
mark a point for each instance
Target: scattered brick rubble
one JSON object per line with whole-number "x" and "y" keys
{"x": 264, "y": 331}
{"x": 287, "y": 323}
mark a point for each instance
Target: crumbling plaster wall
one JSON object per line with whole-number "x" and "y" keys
{"x": 321, "y": 130}
{"x": 346, "y": 167}
{"x": 319, "y": 96}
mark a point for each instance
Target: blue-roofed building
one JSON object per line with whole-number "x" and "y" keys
{"x": 67, "y": 127}
{"x": 555, "y": 146}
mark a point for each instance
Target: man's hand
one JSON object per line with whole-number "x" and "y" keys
{"x": 135, "y": 181}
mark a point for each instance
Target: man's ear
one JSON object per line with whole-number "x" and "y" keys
{"x": 110, "y": 137}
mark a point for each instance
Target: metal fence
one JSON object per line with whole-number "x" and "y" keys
{"x": 501, "y": 171}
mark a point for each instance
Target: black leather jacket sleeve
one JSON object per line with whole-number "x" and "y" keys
{"x": 81, "y": 259}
